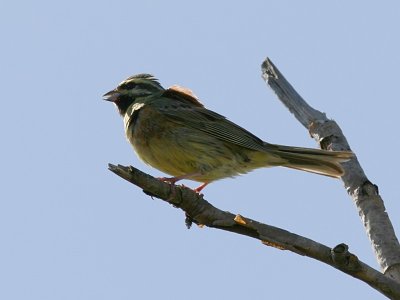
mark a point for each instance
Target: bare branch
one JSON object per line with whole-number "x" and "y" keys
{"x": 365, "y": 194}
{"x": 202, "y": 212}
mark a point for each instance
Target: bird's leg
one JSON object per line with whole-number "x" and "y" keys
{"x": 198, "y": 189}
{"x": 173, "y": 180}
{"x": 170, "y": 180}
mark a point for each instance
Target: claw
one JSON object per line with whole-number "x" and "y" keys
{"x": 173, "y": 180}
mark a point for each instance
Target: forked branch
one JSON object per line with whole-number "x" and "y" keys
{"x": 364, "y": 193}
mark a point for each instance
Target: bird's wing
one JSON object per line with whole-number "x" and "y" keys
{"x": 188, "y": 111}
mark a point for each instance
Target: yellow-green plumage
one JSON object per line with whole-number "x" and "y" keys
{"x": 173, "y": 132}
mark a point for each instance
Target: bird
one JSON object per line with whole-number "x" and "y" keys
{"x": 172, "y": 131}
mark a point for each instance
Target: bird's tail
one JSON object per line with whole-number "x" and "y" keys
{"x": 317, "y": 161}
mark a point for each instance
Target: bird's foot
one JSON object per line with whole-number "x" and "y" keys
{"x": 171, "y": 180}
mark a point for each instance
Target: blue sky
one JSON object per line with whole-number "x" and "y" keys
{"x": 70, "y": 229}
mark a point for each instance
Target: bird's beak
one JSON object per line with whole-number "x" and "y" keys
{"x": 111, "y": 96}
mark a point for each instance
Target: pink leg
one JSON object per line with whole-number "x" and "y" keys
{"x": 170, "y": 180}
{"x": 173, "y": 180}
{"x": 198, "y": 189}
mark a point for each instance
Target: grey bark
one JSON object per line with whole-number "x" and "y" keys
{"x": 364, "y": 194}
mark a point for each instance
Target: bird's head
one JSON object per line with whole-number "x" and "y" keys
{"x": 137, "y": 86}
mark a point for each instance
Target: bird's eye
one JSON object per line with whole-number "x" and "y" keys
{"x": 129, "y": 85}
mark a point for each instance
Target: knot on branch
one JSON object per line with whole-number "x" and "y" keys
{"x": 368, "y": 189}
{"x": 328, "y": 134}
{"x": 344, "y": 259}
{"x": 368, "y": 194}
